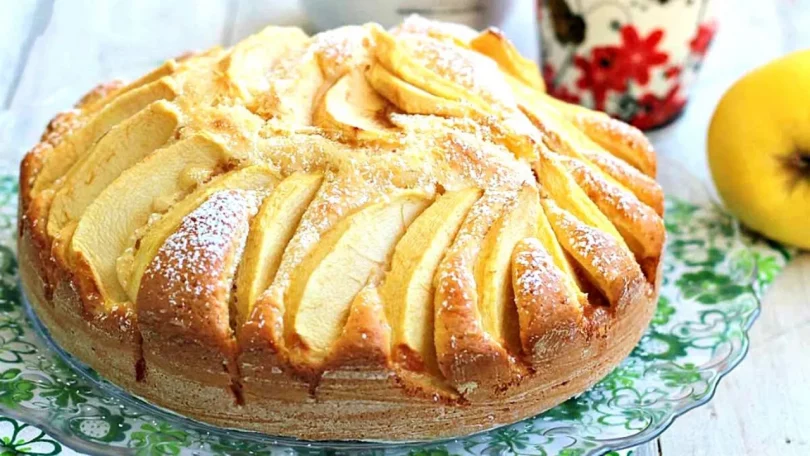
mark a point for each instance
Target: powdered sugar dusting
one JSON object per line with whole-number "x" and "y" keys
{"x": 476, "y": 73}
{"x": 541, "y": 297}
{"x": 534, "y": 264}
{"x": 415, "y": 24}
{"x": 467, "y": 131}
{"x": 342, "y": 49}
{"x": 63, "y": 125}
{"x": 612, "y": 268}
{"x": 198, "y": 249}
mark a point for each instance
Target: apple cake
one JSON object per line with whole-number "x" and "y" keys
{"x": 364, "y": 234}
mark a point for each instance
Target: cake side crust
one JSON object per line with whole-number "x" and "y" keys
{"x": 383, "y": 412}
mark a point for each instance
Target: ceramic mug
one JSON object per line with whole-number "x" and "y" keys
{"x": 633, "y": 59}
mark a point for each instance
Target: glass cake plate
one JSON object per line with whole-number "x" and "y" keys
{"x": 714, "y": 276}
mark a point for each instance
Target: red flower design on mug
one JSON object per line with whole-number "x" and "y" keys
{"x": 602, "y": 72}
{"x": 558, "y": 91}
{"x": 639, "y": 54}
{"x": 672, "y": 72}
{"x": 562, "y": 93}
{"x": 549, "y": 73}
{"x": 654, "y": 110}
{"x": 703, "y": 38}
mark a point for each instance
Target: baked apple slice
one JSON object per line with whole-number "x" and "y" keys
{"x": 407, "y": 290}
{"x": 495, "y": 45}
{"x": 545, "y": 234}
{"x": 463, "y": 77}
{"x": 196, "y": 78}
{"x": 620, "y": 139}
{"x": 333, "y": 273}
{"x": 263, "y": 357}
{"x": 352, "y": 107}
{"x": 458, "y": 34}
{"x": 290, "y": 97}
{"x": 607, "y": 263}
{"x": 412, "y": 99}
{"x": 270, "y": 231}
{"x": 123, "y": 146}
{"x": 639, "y": 225}
{"x": 296, "y": 86}
{"x": 121, "y": 108}
{"x": 107, "y": 226}
{"x": 182, "y": 302}
{"x": 417, "y": 61}
{"x": 492, "y": 270}
{"x": 474, "y": 362}
{"x": 258, "y": 179}
{"x": 549, "y": 306}
{"x": 364, "y": 343}
{"x": 643, "y": 186}
{"x": 558, "y": 183}
{"x": 566, "y": 138}
{"x": 104, "y": 93}
{"x": 165, "y": 83}
{"x": 247, "y": 65}
{"x": 168, "y": 68}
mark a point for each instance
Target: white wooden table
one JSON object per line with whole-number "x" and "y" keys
{"x": 51, "y": 52}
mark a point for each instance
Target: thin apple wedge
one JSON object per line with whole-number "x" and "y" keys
{"x": 270, "y": 231}
{"x": 106, "y": 227}
{"x": 607, "y": 263}
{"x": 472, "y": 84}
{"x": 423, "y": 62}
{"x": 545, "y": 235}
{"x": 291, "y": 94}
{"x": 471, "y": 360}
{"x": 182, "y": 305}
{"x": 558, "y": 183}
{"x": 620, "y": 139}
{"x": 105, "y": 93}
{"x": 407, "y": 290}
{"x": 646, "y": 189}
{"x": 516, "y": 134}
{"x": 334, "y": 272}
{"x": 127, "y": 102}
{"x": 352, "y": 107}
{"x": 495, "y": 45}
{"x": 458, "y": 34}
{"x": 365, "y": 340}
{"x": 639, "y": 224}
{"x": 257, "y": 178}
{"x": 564, "y": 136}
{"x": 412, "y": 99}
{"x": 77, "y": 144}
{"x": 492, "y": 270}
{"x": 247, "y": 65}
{"x": 549, "y": 306}
{"x": 399, "y": 59}
{"x": 123, "y": 146}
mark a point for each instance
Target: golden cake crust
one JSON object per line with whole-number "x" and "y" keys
{"x": 534, "y": 275}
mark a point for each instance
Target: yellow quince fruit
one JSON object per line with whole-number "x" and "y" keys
{"x": 759, "y": 149}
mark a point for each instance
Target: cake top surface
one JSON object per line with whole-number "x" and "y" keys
{"x": 342, "y": 190}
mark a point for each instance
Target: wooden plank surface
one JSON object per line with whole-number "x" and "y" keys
{"x": 763, "y": 407}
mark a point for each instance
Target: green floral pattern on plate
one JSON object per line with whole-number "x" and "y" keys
{"x": 714, "y": 276}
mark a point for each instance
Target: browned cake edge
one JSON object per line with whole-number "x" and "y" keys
{"x": 334, "y": 411}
